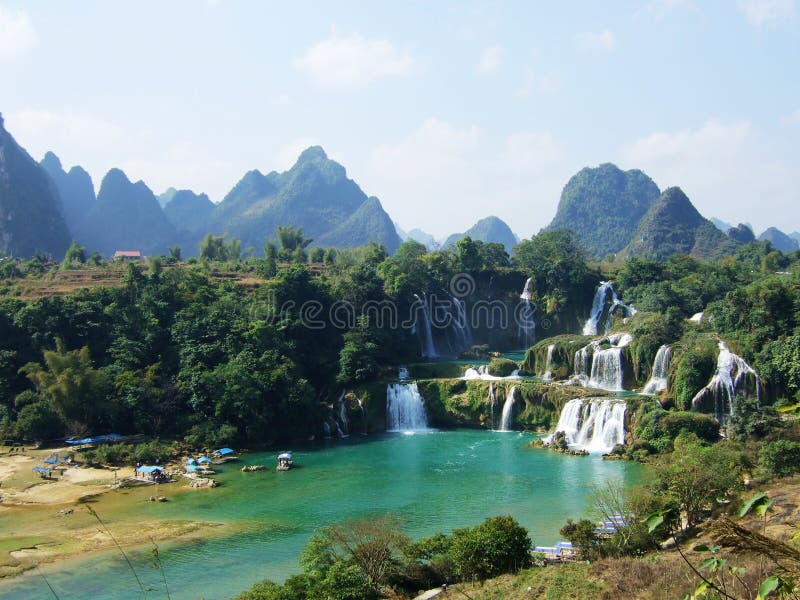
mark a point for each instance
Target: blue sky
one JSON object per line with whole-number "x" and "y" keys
{"x": 447, "y": 111}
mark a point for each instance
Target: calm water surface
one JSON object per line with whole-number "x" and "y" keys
{"x": 433, "y": 482}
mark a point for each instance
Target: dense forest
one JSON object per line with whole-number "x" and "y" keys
{"x": 183, "y": 350}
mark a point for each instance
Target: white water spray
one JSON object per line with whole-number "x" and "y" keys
{"x": 405, "y": 408}
{"x": 592, "y": 424}
{"x": 659, "y": 378}
{"x": 508, "y": 409}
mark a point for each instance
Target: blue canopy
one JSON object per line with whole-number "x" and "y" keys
{"x": 111, "y": 437}
{"x": 42, "y": 470}
{"x": 51, "y": 461}
{"x": 148, "y": 469}
{"x": 191, "y": 468}
{"x": 190, "y": 461}
{"x": 204, "y": 459}
{"x": 223, "y": 451}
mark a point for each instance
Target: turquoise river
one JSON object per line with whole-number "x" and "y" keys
{"x": 432, "y": 481}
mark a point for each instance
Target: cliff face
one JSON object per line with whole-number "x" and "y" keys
{"x": 30, "y": 207}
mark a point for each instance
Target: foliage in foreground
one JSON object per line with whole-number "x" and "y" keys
{"x": 358, "y": 560}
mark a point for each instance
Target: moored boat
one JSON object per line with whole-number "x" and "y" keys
{"x": 285, "y": 461}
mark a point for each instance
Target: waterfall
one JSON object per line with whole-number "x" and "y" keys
{"x": 402, "y": 374}
{"x": 581, "y": 376}
{"x": 482, "y": 373}
{"x": 345, "y": 425}
{"x": 428, "y": 349}
{"x": 600, "y": 318}
{"x": 459, "y": 323}
{"x": 592, "y": 424}
{"x": 492, "y": 399}
{"x": 607, "y": 369}
{"x": 527, "y": 323}
{"x": 732, "y": 372}
{"x": 508, "y": 407}
{"x": 659, "y": 377}
{"x": 405, "y": 408}
{"x": 363, "y": 415}
{"x": 548, "y": 368}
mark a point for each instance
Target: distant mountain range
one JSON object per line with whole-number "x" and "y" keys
{"x": 672, "y": 225}
{"x": 603, "y": 206}
{"x": 779, "y": 240}
{"x": 613, "y": 212}
{"x": 622, "y": 213}
{"x": 489, "y": 229}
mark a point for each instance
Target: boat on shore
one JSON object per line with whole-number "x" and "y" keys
{"x": 285, "y": 461}
{"x": 222, "y": 456}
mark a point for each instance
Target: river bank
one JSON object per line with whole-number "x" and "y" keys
{"x": 44, "y": 520}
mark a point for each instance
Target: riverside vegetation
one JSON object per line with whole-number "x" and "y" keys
{"x": 183, "y": 351}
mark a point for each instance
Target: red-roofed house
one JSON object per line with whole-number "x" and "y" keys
{"x": 128, "y": 255}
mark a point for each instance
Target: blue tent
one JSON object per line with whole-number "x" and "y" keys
{"x": 148, "y": 469}
{"x": 190, "y": 461}
{"x": 203, "y": 459}
{"x": 42, "y": 470}
{"x": 223, "y": 451}
{"x": 191, "y": 468}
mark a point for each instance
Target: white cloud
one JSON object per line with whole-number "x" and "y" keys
{"x": 454, "y": 175}
{"x": 490, "y": 59}
{"x": 766, "y": 12}
{"x": 182, "y": 165}
{"x": 17, "y": 34}
{"x": 792, "y": 118}
{"x": 531, "y": 152}
{"x": 41, "y": 130}
{"x": 726, "y": 169}
{"x": 352, "y": 61}
{"x": 600, "y": 41}
{"x": 541, "y": 84}
{"x": 434, "y": 148}
{"x": 658, "y": 10}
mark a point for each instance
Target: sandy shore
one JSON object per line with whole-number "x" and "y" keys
{"x": 44, "y": 520}
{"x": 21, "y": 485}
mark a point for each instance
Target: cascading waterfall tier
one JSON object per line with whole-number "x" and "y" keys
{"x": 592, "y": 424}
{"x": 402, "y": 374}
{"x": 459, "y": 325}
{"x": 482, "y": 373}
{"x": 604, "y": 305}
{"x": 425, "y": 330}
{"x": 548, "y": 368}
{"x": 734, "y": 378}
{"x": 453, "y": 331}
{"x": 405, "y": 408}
{"x": 527, "y": 321}
{"x": 508, "y": 410}
{"x": 659, "y": 378}
{"x": 606, "y": 370}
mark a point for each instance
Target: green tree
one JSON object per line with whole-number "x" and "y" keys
{"x": 76, "y": 255}
{"x": 39, "y": 422}
{"x": 290, "y": 240}
{"x": 780, "y": 458}
{"x": 76, "y": 390}
{"x": 468, "y": 254}
{"x": 496, "y": 546}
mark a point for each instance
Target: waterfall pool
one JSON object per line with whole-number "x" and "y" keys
{"x": 431, "y": 481}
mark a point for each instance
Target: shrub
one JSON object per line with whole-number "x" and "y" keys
{"x": 780, "y": 458}
{"x": 502, "y": 367}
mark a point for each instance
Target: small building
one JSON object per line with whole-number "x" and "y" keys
{"x": 127, "y": 255}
